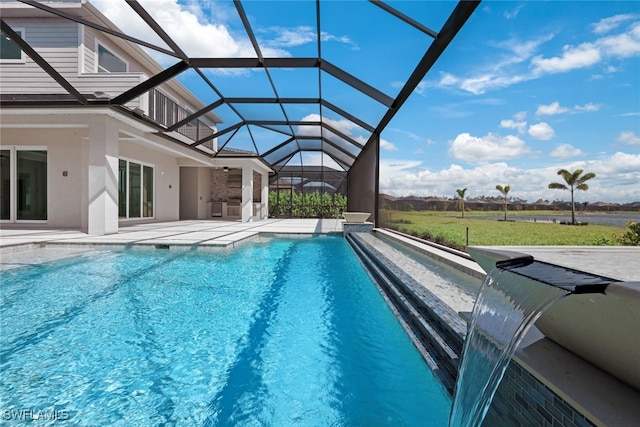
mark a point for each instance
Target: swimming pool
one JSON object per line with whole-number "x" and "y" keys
{"x": 284, "y": 332}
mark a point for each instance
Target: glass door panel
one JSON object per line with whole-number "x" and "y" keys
{"x": 122, "y": 188}
{"x": 147, "y": 192}
{"x": 135, "y": 178}
{"x": 32, "y": 185}
{"x": 5, "y": 184}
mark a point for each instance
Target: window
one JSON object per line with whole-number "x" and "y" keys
{"x": 23, "y": 185}
{"x": 9, "y": 51}
{"x": 109, "y": 62}
{"x": 135, "y": 189}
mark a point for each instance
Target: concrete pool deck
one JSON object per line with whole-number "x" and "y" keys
{"x": 218, "y": 233}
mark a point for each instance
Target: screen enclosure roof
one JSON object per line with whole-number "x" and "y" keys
{"x": 298, "y": 83}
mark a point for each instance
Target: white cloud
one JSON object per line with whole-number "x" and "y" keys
{"x": 611, "y": 23}
{"x": 551, "y": 109}
{"x": 617, "y": 162}
{"x": 504, "y": 70}
{"x": 521, "y": 115}
{"x": 196, "y": 37}
{"x": 622, "y": 45}
{"x": 342, "y": 39}
{"x": 289, "y": 37}
{"x": 629, "y": 137}
{"x": 386, "y": 145}
{"x": 202, "y": 33}
{"x": 513, "y": 13}
{"x": 491, "y": 147}
{"x": 498, "y": 72}
{"x": 589, "y": 107}
{"x": 513, "y": 124}
{"x": 479, "y": 85}
{"x": 344, "y": 126}
{"x": 282, "y": 37}
{"x": 565, "y": 151}
{"x": 616, "y": 179}
{"x": 583, "y": 55}
{"x": 555, "y": 108}
{"x": 542, "y": 131}
{"x": 406, "y": 133}
{"x": 310, "y": 158}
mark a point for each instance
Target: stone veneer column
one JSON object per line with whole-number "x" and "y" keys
{"x": 102, "y": 177}
{"x": 247, "y": 193}
{"x": 264, "y": 204}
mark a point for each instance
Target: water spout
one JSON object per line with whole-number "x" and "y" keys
{"x": 515, "y": 293}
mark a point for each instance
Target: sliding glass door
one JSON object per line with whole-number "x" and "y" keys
{"x": 135, "y": 189}
{"x": 23, "y": 186}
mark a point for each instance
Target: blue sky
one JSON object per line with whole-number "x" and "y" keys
{"x": 525, "y": 88}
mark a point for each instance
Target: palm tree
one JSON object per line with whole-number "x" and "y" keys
{"x": 461, "y": 195}
{"x": 504, "y": 190}
{"x": 574, "y": 182}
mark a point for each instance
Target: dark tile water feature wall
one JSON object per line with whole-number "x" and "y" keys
{"x": 521, "y": 399}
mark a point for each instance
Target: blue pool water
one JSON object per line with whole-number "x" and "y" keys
{"x": 281, "y": 333}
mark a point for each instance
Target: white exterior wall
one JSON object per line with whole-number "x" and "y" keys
{"x": 195, "y": 189}
{"x": 68, "y": 150}
{"x": 64, "y": 153}
{"x": 56, "y": 40}
{"x": 204, "y": 191}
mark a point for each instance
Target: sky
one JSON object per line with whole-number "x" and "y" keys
{"x": 525, "y": 88}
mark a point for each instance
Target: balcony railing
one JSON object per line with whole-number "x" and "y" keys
{"x": 165, "y": 111}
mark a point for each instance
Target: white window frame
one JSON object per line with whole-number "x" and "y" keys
{"x": 155, "y": 184}
{"x": 13, "y": 183}
{"x": 23, "y": 56}
{"x": 110, "y": 50}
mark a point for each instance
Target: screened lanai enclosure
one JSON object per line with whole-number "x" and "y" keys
{"x": 282, "y": 82}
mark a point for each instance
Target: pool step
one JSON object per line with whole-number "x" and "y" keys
{"x": 436, "y": 329}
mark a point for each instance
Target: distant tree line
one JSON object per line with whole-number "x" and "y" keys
{"x": 575, "y": 180}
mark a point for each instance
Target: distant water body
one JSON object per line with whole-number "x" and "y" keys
{"x": 590, "y": 218}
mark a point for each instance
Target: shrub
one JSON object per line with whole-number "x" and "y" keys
{"x": 306, "y": 205}
{"x": 631, "y": 237}
{"x": 602, "y": 241}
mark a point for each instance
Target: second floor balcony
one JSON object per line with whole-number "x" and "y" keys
{"x": 167, "y": 112}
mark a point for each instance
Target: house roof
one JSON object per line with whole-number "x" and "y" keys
{"x": 269, "y": 118}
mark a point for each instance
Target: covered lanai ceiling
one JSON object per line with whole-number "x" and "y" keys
{"x": 285, "y": 102}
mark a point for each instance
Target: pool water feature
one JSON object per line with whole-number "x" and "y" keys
{"x": 285, "y": 332}
{"x": 502, "y": 315}
{"x": 516, "y": 292}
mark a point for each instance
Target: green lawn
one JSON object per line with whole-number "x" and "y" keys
{"x": 450, "y": 229}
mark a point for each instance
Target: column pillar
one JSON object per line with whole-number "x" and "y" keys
{"x": 247, "y": 193}
{"x": 102, "y": 177}
{"x": 264, "y": 196}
